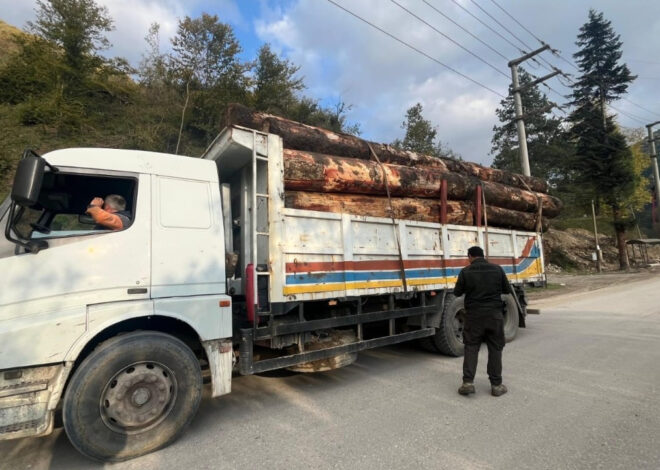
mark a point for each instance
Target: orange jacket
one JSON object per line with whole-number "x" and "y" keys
{"x": 105, "y": 218}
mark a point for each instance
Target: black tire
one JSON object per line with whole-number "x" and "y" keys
{"x": 134, "y": 394}
{"x": 511, "y": 318}
{"x": 448, "y": 338}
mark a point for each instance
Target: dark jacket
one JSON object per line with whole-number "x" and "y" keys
{"x": 483, "y": 284}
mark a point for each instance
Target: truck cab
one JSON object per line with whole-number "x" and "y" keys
{"x": 70, "y": 286}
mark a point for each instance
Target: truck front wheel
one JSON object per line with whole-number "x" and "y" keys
{"x": 133, "y": 394}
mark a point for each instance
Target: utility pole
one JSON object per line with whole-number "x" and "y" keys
{"x": 520, "y": 123}
{"x": 654, "y": 160}
{"x": 599, "y": 254}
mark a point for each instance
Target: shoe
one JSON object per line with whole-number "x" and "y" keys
{"x": 466, "y": 388}
{"x": 498, "y": 390}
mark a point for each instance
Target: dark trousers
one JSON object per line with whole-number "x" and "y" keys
{"x": 476, "y": 330}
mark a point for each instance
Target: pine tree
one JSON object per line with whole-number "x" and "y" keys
{"x": 276, "y": 83}
{"x": 421, "y": 135}
{"x": 604, "y": 161}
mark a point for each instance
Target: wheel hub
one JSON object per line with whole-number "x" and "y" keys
{"x": 141, "y": 396}
{"x": 138, "y": 397}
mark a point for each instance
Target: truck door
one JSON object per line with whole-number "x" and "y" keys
{"x": 187, "y": 234}
{"x": 44, "y": 298}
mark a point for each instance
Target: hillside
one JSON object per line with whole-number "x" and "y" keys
{"x": 7, "y": 42}
{"x": 571, "y": 250}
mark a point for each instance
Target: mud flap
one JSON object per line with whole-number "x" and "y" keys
{"x": 220, "y": 354}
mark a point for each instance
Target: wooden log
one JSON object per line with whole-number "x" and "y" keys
{"x": 422, "y": 210}
{"x": 507, "y": 218}
{"x": 299, "y": 136}
{"x": 307, "y": 171}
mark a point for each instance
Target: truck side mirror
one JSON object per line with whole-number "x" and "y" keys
{"x": 28, "y": 179}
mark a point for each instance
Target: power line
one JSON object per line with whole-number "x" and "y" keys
{"x": 501, "y": 25}
{"x": 497, "y": 33}
{"x": 416, "y": 49}
{"x": 488, "y": 26}
{"x": 552, "y": 67}
{"x": 518, "y": 22}
{"x": 629, "y": 115}
{"x": 435, "y": 29}
{"x": 450, "y": 39}
{"x": 556, "y": 53}
{"x": 500, "y": 35}
{"x": 468, "y": 31}
{"x": 641, "y": 107}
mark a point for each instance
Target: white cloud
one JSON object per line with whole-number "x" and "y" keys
{"x": 132, "y": 19}
{"x": 341, "y": 56}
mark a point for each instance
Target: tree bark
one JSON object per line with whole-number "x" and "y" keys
{"x": 307, "y": 171}
{"x": 620, "y": 231}
{"x": 507, "y": 218}
{"x": 299, "y": 136}
{"x": 422, "y": 210}
{"x": 183, "y": 115}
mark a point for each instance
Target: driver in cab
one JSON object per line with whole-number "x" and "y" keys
{"x": 109, "y": 213}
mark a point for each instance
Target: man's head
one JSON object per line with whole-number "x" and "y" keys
{"x": 114, "y": 203}
{"x": 475, "y": 252}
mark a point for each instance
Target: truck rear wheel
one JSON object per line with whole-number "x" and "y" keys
{"x": 511, "y": 318}
{"x": 448, "y": 338}
{"x": 133, "y": 394}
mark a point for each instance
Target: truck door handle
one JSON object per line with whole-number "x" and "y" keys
{"x": 137, "y": 290}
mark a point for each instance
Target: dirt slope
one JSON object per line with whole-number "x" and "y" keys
{"x": 572, "y": 250}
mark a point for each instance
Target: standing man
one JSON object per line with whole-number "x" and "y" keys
{"x": 483, "y": 284}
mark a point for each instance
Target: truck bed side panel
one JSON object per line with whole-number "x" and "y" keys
{"x": 339, "y": 255}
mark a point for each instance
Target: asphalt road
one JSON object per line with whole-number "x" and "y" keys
{"x": 584, "y": 381}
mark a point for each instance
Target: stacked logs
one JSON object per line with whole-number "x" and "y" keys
{"x": 332, "y": 172}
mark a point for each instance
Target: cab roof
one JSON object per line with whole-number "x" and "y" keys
{"x": 134, "y": 161}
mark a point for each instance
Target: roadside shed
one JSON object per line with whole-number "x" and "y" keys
{"x": 639, "y": 247}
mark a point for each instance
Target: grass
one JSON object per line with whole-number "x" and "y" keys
{"x": 605, "y": 225}
{"x": 554, "y": 286}
{"x": 7, "y": 43}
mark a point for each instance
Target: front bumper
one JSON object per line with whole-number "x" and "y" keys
{"x": 28, "y": 397}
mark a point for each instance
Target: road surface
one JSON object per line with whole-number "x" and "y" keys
{"x": 584, "y": 381}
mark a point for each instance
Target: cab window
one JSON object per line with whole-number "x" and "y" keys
{"x": 61, "y": 210}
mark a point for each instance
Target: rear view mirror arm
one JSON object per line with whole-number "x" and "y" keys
{"x": 30, "y": 246}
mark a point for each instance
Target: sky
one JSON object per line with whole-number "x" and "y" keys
{"x": 344, "y": 59}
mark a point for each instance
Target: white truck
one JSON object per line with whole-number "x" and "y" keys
{"x": 115, "y": 329}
